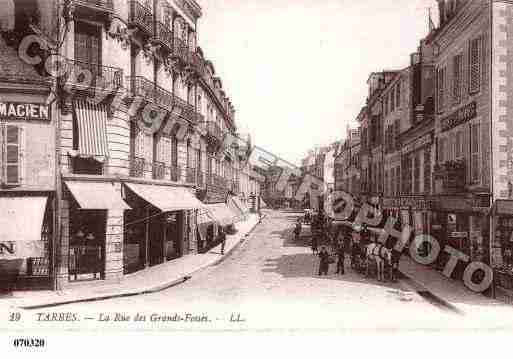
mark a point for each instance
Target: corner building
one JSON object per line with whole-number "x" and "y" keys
{"x": 127, "y": 196}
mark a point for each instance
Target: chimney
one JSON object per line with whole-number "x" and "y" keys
{"x": 441, "y": 11}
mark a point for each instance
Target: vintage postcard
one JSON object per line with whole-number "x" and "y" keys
{"x": 255, "y": 165}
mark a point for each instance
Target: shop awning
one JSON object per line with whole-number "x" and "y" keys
{"x": 91, "y": 123}
{"x": 21, "y": 222}
{"x": 222, "y": 214}
{"x": 96, "y": 195}
{"x": 165, "y": 198}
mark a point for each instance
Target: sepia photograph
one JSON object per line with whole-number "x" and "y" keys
{"x": 255, "y": 166}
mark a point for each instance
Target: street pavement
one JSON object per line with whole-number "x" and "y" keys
{"x": 270, "y": 283}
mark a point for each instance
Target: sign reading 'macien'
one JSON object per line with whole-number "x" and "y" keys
{"x": 24, "y": 111}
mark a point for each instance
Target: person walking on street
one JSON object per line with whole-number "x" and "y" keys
{"x": 341, "y": 255}
{"x": 222, "y": 238}
{"x": 324, "y": 263}
{"x": 297, "y": 229}
{"x": 314, "y": 243}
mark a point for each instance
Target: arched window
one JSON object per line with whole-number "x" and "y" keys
{"x": 7, "y": 15}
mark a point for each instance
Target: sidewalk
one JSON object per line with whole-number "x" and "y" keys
{"x": 151, "y": 280}
{"x": 452, "y": 293}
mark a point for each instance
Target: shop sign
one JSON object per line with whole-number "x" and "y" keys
{"x": 24, "y": 111}
{"x": 11, "y": 250}
{"x": 418, "y": 143}
{"x": 408, "y": 202}
{"x": 462, "y": 115}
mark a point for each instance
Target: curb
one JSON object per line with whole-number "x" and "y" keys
{"x": 429, "y": 296}
{"x": 154, "y": 289}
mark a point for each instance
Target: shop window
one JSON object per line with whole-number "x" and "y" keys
{"x": 474, "y": 152}
{"x": 11, "y": 154}
{"x": 475, "y": 68}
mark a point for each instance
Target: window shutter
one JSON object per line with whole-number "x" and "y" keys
{"x": 475, "y": 146}
{"x": 398, "y": 95}
{"x": 475, "y": 56}
{"x": 457, "y": 78}
{"x": 12, "y": 155}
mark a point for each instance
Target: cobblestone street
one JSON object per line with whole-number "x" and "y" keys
{"x": 271, "y": 282}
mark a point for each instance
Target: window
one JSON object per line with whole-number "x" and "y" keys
{"x": 398, "y": 180}
{"x": 475, "y": 55}
{"x": 407, "y": 174}
{"x": 457, "y": 72}
{"x": 427, "y": 170}
{"x": 392, "y": 101}
{"x": 385, "y": 105}
{"x": 386, "y": 183}
{"x": 440, "y": 89}
{"x": 398, "y": 95}
{"x": 458, "y": 151}
{"x": 10, "y": 159}
{"x": 441, "y": 150}
{"x": 416, "y": 173}
{"x": 474, "y": 152}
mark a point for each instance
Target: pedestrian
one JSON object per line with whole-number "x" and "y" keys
{"x": 324, "y": 263}
{"x": 297, "y": 229}
{"x": 341, "y": 254}
{"x": 222, "y": 238}
{"x": 314, "y": 243}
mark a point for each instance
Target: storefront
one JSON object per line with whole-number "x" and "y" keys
{"x": 26, "y": 241}
{"x": 502, "y": 246}
{"x": 95, "y": 209}
{"x": 462, "y": 223}
{"x": 158, "y": 228}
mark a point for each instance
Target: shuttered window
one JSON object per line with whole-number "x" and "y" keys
{"x": 440, "y": 89}
{"x": 10, "y": 144}
{"x": 474, "y": 152}
{"x": 458, "y": 152}
{"x": 88, "y": 47}
{"x": 392, "y": 101}
{"x": 441, "y": 150}
{"x": 427, "y": 170}
{"x": 475, "y": 66}
{"x": 457, "y": 77}
{"x": 398, "y": 95}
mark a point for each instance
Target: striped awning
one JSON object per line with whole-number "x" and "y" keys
{"x": 91, "y": 125}
{"x": 239, "y": 215}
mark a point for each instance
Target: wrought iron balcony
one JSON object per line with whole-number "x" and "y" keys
{"x": 159, "y": 170}
{"x": 137, "y": 167}
{"x": 190, "y": 175}
{"x": 142, "y": 87}
{"x": 187, "y": 110}
{"x": 214, "y": 133}
{"x": 90, "y": 77}
{"x": 164, "y": 35}
{"x": 141, "y": 17}
{"x": 181, "y": 50}
{"x": 98, "y": 5}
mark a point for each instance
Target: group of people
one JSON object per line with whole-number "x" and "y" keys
{"x": 334, "y": 243}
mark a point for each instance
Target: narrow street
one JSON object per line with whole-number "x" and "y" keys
{"x": 272, "y": 282}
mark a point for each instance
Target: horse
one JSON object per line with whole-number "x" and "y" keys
{"x": 381, "y": 255}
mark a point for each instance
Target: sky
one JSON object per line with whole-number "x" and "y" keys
{"x": 296, "y": 70}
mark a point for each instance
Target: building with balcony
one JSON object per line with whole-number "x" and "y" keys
{"x": 136, "y": 130}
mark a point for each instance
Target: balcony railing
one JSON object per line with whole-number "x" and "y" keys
{"x": 137, "y": 167}
{"x": 140, "y": 86}
{"x": 164, "y": 35}
{"x": 217, "y": 181}
{"x": 141, "y": 17}
{"x": 90, "y": 77}
{"x": 96, "y": 5}
{"x": 187, "y": 110}
{"x": 159, "y": 170}
{"x": 190, "y": 175}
